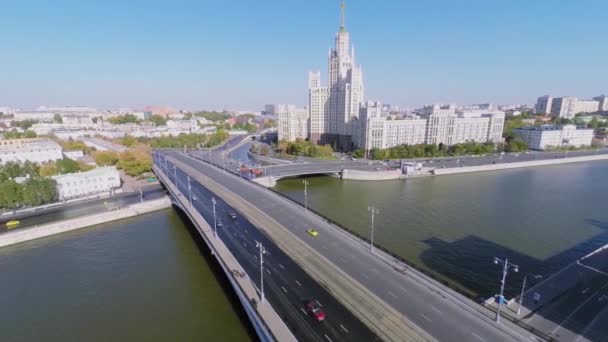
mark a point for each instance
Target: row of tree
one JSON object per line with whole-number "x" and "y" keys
{"x": 305, "y": 148}
{"x": 134, "y": 162}
{"x": 190, "y": 140}
{"x": 32, "y": 192}
{"x": 429, "y": 150}
{"x": 14, "y": 134}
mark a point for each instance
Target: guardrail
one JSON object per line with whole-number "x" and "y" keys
{"x": 260, "y": 326}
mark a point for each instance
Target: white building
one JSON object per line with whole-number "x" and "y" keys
{"x": 293, "y": 122}
{"x": 551, "y": 136}
{"x": 36, "y": 150}
{"x": 439, "y": 125}
{"x": 186, "y": 125}
{"x": 602, "y": 103}
{"x": 568, "y": 107}
{"x": 101, "y": 180}
{"x": 42, "y": 116}
{"x": 334, "y": 110}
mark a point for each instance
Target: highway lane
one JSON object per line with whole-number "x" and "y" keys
{"x": 287, "y": 286}
{"x": 444, "y": 318}
{"x": 81, "y": 208}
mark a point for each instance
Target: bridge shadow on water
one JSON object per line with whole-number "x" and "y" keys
{"x": 469, "y": 262}
{"x": 219, "y": 274}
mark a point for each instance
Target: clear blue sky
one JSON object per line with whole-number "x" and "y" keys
{"x": 241, "y": 54}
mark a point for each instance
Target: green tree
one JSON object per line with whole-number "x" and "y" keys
{"x": 48, "y": 169}
{"x": 37, "y": 191}
{"x": 105, "y": 158}
{"x": 24, "y": 124}
{"x": 516, "y": 145}
{"x": 66, "y": 165}
{"x": 158, "y": 120}
{"x": 128, "y": 141}
{"x": 135, "y": 162}
{"x": 10, "y": 194}
{"x": 265, "y": 150}
{"x": 123, "y": 119}
{"x": 57, "y": 118}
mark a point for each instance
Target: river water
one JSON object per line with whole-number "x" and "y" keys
{"x": 139, "y": 279}
{"x": 453, "y": 226}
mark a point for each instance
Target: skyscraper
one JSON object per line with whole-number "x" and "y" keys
{"x": 334, "y": 110}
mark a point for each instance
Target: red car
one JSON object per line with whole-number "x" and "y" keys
{"x": 314, "y": 309}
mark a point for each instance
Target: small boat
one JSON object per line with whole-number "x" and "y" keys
{"x": 12, "y": 223}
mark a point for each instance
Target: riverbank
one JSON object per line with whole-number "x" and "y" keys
{"x": 27, "y": 234}
{"x": 515, "y": 165}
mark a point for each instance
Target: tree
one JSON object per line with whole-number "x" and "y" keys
{"x": 359, "y": 153}
{"x": 48, "y": 169}
{"x": 57, "y": 118}
{"x": 66, "y": 165}
{"x": 37, "y": 191}
{"x": 123, "y": 119}
{"x": 516, "y": 145}
{"x": 128, "y": 141}
{"x": 105, "y": 158}
{"x": 265, "y": 150}
{"x": 594, "y": 123}
{"x": 24, "y": 124}
{"x": 135, "y": 161}
{"x": 94, "y": 119}
{"x": 10, "y": 194}
{"x": 158, "y": 120}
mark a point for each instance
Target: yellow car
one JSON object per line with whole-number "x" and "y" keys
{"x": 312, "y": 232}
{"x": 12, "y": 224}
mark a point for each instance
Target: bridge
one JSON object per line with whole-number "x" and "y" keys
{"x": 366, "y": 294}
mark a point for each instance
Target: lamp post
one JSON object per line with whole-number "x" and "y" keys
{"x": 262, "y": 252}
{"x": 141, "y": 194}
{"x": 305, "y": 195}
{"x": 373, "y": 212}
{"x": 523, "y": 287}
{"x": 506, "y": 265}
{"x": 214, "y": 218}
{"x": 189, "y": 190}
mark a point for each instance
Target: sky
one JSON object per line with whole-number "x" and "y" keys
{"x": 242, "y": 54}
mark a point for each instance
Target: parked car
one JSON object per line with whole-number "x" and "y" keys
{"x": 312, "y": 232}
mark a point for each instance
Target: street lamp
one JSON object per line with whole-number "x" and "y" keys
{"x": 506, "y": 265}
{"x": 262, "y": 252}
{"x": 214, "y": 218}
{"x": 305, "y": 195}
{"x": 523, "y": 287}
{"x": 189, "y": 190}
{"x": 373, "y": 212}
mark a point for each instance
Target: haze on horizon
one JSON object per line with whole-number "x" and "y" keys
{"x": 215, "y": 55}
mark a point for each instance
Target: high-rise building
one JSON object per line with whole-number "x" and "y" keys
{"x": 543, "y": 104}
{"x": 568, "y": 107}
{"x": 334, "y": 110}
{"x": 602, "y": 103}
{"x": 292, "y": 122}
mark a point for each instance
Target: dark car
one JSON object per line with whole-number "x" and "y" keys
{"x": 232, "y": 214}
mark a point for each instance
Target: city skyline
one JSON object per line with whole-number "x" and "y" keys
{"x": 413, "y": 54}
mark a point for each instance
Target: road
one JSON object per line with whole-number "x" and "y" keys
{"x": 445, "y": 317}
{"x": 287, "y": 287}
{"x": 76, "y": 209}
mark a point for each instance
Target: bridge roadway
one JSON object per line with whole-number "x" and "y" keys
{"x": 422, "y": 303}
{"x": 287, "y": 287}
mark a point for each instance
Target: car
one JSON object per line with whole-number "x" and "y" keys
{"x": 312, "y": 232}
{"x": 314, "y": 309}
{"x": 220, "y": 224}
{"x": 232, "y": 214}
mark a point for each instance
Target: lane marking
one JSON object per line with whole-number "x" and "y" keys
{"x": 281, "y": 266}
{"x": 284, "y": 289}
{"x": 267, "y": 270}
{"x": 319, "y": 304}
{"x": 343, "y": 328}
{"x": 365, "y": 275}
{"x": 324, "y": 247}
{"x": 477, "y": 336}
{"x": 304, "y": 311}
{"x": 297, "y": 282}
{"x": 403, "y": 289}
{"x": 327, "y": 337}
{"x": 392, "y": 294}
{"x": 425, "y": 317}
{"x": 437, "y": 310}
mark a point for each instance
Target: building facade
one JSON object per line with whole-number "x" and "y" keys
{"x": 102, "y": 180}
{"x": 334, "y": 109}
{"x": 602, "y": 101}
{"x": 35, "y": 150}
{"x": 543, "y": 104}
{"x": 552, "y": 136}
{"x": 292, "y": 121}
{"x": 567, "y": 107}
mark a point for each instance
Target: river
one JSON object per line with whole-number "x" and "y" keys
{"x": 453, "y": 226}
{"x": 138, "y": 279}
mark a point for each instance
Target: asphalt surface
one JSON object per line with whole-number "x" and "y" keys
{"x": 81, "y": 208}
{"x": 445, "y": 318}
{"x": 286, "y": 286}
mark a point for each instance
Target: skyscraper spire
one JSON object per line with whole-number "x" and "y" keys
{"x": 342, "y": 7}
